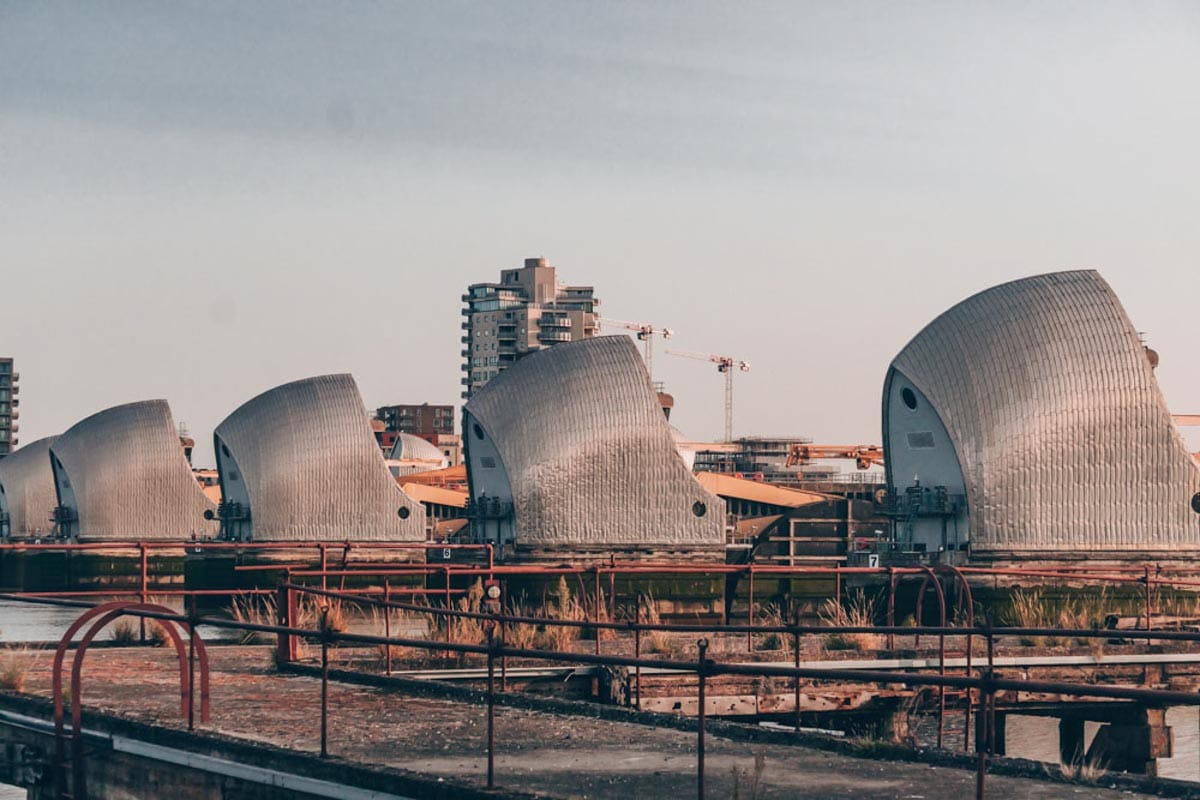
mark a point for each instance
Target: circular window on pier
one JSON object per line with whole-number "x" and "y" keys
{"x": 909, "y": 397}
{"x": 1196, "y": 502}
{"x": 403, "y": 513}
{"x": 699, "y": 509}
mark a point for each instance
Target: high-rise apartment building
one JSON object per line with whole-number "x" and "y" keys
{"x": 9, "y": 389}
{"x": 526, "y": 311}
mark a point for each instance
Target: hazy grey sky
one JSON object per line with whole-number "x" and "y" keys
{"x": 200, "y": 201}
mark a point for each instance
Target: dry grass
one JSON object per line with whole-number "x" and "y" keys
{"x": 1089, "y": 770}
{"x": 772, "y": 614}
{"x": 653, "y": 641}
{"x": 857, "y": 612}
{"x": 14, "y": 668}
{"x": 1028, "y": 608}
{"x": 255, "y": 611}
{"x": 522, "y": 635}
{"x": 561, "y": 605}
{"x": 125, "y": 632}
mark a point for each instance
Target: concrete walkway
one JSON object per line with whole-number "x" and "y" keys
{"x": 560, "y": 756}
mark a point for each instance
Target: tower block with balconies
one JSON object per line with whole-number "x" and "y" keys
{"x": 523, "y": 313}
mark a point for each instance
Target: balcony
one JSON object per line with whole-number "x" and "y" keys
{"x": 554, "y": 337}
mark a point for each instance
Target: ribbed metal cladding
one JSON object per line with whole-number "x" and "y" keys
{"x": 130, "y": 477}
{"x": 409, "y": 447}
{"x": 1064, "y": 438}
{"x": 589, "y": 452}
{"x": 28, "y": 484}
{"x": 313, "y": 469}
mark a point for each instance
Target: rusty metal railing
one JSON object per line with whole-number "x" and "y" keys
{"x": 986, "y": 683}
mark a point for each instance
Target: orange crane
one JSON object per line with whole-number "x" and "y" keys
{"x": 644, "y": 332}
{"x": 864, "y": 455}
{"x": 725, "y": 365}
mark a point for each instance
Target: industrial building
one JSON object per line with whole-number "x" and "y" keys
{"x": 525, "y": 312}
{"x": 569, "y": 450}
{"x": 9, "y": 403}
{"x": 299, "y": 462}
{"x": 27, "y": 497}
{"x": 1026, "y": 422}
{"x": 121, "y": 474}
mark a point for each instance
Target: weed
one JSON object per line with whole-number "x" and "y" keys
{"x": 771, "y": 614}
{"x": 653, "y": 641}
{"x": 14, "y": 668}
{"x": 562, "y": 606}
{"x": 255, "y": 611}
{"x": 521, "y": 635}
{"x": 858, "y": 612}
{"x": 124, "y": 632}
{"x": 1088, "y": 770}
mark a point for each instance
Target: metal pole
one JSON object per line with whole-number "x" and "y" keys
{"x": 701, "y": 672}
{"x": 387, "y": 622}
{"x": 597, "y": 606}
{"x": 891, "y": 614}
{"x": 491, "y": 711}
{"x": 143, "y": 594}
{"x": 970, "y": 699}
{"x": 324, "y": 680}
{"x": 191, "y": 663}
{"x": 796, "y": 661}
{"x": 750, "y": 612}
{"x": 637, "y": 650}
{"x": 324, "y": 567}
{"x": 1149, "y": 609}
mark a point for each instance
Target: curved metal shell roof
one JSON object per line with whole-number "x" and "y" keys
{"x": 413, "y": 448}
{"x": 589, "y": 454}
{"x": 28, "y": 485}
{"x": 128, "y": 475}
{"x": 1064, "y": 439}
{"x": 312, "y": 469}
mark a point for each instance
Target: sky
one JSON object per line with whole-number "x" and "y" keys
{"x": 199, "y": 201}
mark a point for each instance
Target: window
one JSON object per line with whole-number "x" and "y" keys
{"x": 909, "y": 397}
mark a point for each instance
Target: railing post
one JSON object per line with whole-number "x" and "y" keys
{"x": 387, "y": 623}
{"x": 796, "y": 662}
{"x": 637, "y": 651}
{"x": 596, "y": 606}
{"x": 324, "y": 566}
{"x": 1149, "y": 608}
{"x": 891, "y": 612}
{"x": 701, "y": 673}
{"x": 491, "y": 710}
{"x": 324, "y": 681}
{"x": 191, "y": 661}
{"x": 750, "y": 612}
{"x": 285, "y": 649}
{"x": 144, "y": 589}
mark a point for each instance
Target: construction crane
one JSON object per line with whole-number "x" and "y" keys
{"x": 864, "y": 455}
{"x": 645, "y": 332}
{"x": 726, "y": 365}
